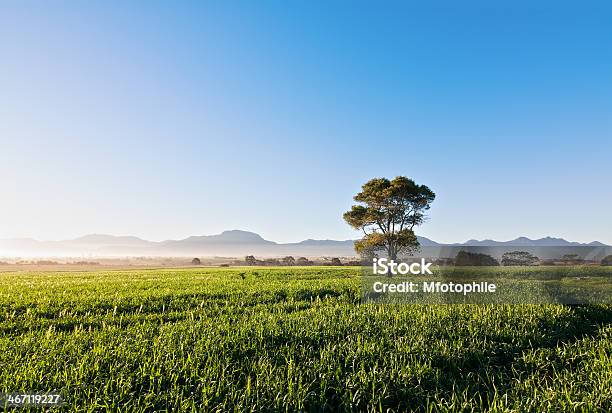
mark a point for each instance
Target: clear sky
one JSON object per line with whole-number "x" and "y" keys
{"x": 169, "y": 119}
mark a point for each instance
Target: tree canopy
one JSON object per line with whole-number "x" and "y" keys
{"x": 387, "y": 212}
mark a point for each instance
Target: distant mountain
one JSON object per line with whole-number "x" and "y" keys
{"x": 237, "y": 243}
{"x": 226, "y": 237}
{"x": 104, "y": 240}
{"x": 527, "y": 242}
{"x": 328, "y": 242}
{"x": 426, "y": 242}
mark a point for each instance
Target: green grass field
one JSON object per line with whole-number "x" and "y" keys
{"x": 293, "y": 339}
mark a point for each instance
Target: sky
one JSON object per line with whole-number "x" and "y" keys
{"x": 170, "y": 119}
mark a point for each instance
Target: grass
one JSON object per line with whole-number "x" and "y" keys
{"x": 294, "y": 339}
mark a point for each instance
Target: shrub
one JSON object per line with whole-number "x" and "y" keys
{"x": 465, "y": 258}
{"x": 336, "y": 261}
{"x": 289, "y": 260}
{"x": 520, "y": 258}
{"x": 303, "y": 261}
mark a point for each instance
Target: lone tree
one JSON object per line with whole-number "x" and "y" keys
{"x": 387, "y": 213}
{"x": 607, "y": 260}
{"x": 196, "y": 261}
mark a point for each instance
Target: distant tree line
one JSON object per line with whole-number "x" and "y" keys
{"x": 48, "y": 262}
{"x": 289, "y": 261}
{"x": 515, "y": 258}
{"x": 463, "y": 258}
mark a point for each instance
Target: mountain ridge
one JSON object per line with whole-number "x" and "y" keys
{"x": 236, "y": 242}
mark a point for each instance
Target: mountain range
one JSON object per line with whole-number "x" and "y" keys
{"x": 237, "y": 243}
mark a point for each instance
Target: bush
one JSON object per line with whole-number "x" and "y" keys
{"x": 303, "y": 261}
{"x": 444, "y": 261}
{"x": 46, "y": 262}
{"x": 572, "y": 259}
{"x": 519, "y": 258}
{"x": 289, "y": 260}
{"x": 465, "y": 258}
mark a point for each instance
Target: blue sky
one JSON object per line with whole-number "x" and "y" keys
{"x": 165, "y": 120}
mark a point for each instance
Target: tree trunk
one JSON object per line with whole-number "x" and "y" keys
{"x": 391, "y": 252}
